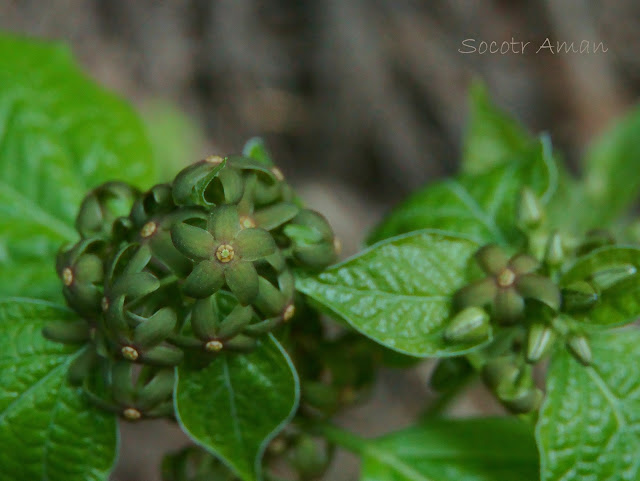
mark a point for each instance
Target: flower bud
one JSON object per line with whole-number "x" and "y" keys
{"x": 578, "y": 346}
{"x": 579, "y": 296}
{"x": 468, "y": 326}
{"x": 540, "y": 339}
{"x": 529, "y": 209}
{"x": 554, "y": 253}
{"x": 606, "y": 278}
{"x": 524, "y": 400}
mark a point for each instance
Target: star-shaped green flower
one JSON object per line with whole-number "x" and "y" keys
{"x": 510, "y": 281}
{"x": 224, "y": 253}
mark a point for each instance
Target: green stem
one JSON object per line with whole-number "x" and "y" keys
{"x": 345, "y": 439}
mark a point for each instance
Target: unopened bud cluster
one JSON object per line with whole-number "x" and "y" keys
{"x": 201, "y": 265}
{"x": 520, "y": 303}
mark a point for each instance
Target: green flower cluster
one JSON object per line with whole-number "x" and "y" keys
{"x": 519, "y": 309}
{"x": 201, "y": 266}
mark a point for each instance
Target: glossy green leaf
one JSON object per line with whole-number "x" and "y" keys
{"x": 492, "y": 137}
{"x": 399, "y": 291}
{"x": 60, "y": 135}
{"x": 619, "y": 303}
{"x": 47, "y": 430}
{"x": 481, "y": 206}
{"x": 611, "y": 168}
{"x": 489, "y": 449}
{"x": 588, "y": 425}
{"x": 238, "y": 403}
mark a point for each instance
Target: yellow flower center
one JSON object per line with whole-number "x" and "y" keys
{"x": 132, "y": 414}
{"x": 289, "y": 312}
{"x": 148, "y": 229}
{"x": 506, "y": 278}
{"x": 213, "y": 346}
{"x": 129, "y": 353}
{"x": 67, "y": 276}
{"x": 247, "y": 222}
{"x": 225, "y": 253}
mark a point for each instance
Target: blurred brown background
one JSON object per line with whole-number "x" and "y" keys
{"x": 361, "y": 101}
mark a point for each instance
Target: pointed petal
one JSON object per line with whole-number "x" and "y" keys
{"x": 135, "y": 285}
{"x": 523, "y": 264}
{"x": 261, "y": 328}
{"x": 121, "y": 382}
{"x": 224, "y": 223}
{"x": 166, "y": 252}
{"x": 242, "y": 279}
{"x": 193, "y": 242}
{"x": 235, "y": 322}
{"x": 232, "y": 186}
{"x": 479, "y": 293}
{"x": 205, "y": 279}
{"x": 274, "y": 216}
{"x": 163, "y": 356}
{"x": 492, "y": 259}
{"x": 205, "y": 319}
{"x": 540, "y": 288}
{"x": 240, "y": 344}
{"x": 508, "y": 306}
{"x": 254, "y": 244}
{"x": 155, "y": 329}
{"x": 159, "y": 389}
{"x": 270, "y": 300}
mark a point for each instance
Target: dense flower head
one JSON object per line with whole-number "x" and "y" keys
{"x": 202, "y": 265}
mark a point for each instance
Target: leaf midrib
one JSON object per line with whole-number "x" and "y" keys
{"x": 421, "y": 297}
{"x": 34, "y": 386}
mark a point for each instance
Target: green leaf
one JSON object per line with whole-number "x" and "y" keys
{"x": 47, "y": 430}
{"x": 481, "y": 206}
{"x": 60, "y": 135}
{"x": 588, "y": 424}
{"x": 238, "y": 403}
{"x": 620, "y": 267}
{"x": 399, "y": 291}
{"x": 489, "y": 449}
{"x": 492, "y": 138}
{"x": 611, "y": 168}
